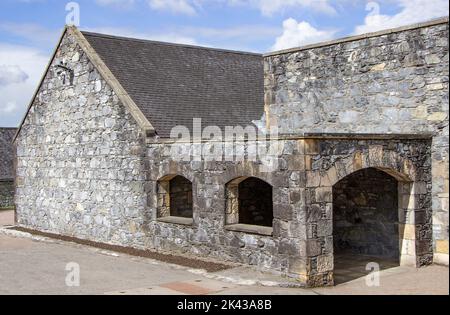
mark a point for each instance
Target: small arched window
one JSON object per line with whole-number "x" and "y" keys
{"x": 175, "y": 197}
{"x": 250, "y": 202}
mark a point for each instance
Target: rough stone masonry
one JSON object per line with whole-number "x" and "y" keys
{"x": 7, "y": 168}
{"x": 396, "y": 82}
{"x": 94, "y": 160}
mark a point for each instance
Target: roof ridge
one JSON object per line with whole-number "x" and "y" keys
{"x": 125, "y": 38}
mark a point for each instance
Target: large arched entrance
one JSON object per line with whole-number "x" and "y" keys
{"x": 365, "y": 223}
{"x": 361, "y": 205}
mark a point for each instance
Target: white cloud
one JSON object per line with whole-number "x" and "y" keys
{"x": 116, "y": 3}
{"x": 187, "y": 7}
{"x": 270, "y": 7}
{"x": 10, "y": 74}
{"x": 191, "y": 7}
{"x": 234, "y": 38}
{"x": 10, "y": 107}
{"x": 31, "y": 32}
{"x": 163, "y": 37}
{"x": 412, "y": 11}
{"x": 240, "y": 38}
{"x": 297, "y": 34}
{"x": 16, "y": 95}
{"x": 175, "y": 6}
{"x": 31, "y": 1}
{"x": 243, "y": 32}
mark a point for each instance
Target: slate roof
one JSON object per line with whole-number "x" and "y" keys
{"x": 172, "y": 84}
{"x": 6, "y": 153}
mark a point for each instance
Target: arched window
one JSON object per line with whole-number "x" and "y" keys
{"x": 250, "y": 202}
{"x": 175, "y": 197}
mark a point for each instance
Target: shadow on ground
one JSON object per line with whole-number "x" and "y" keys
{"x": 352, "y": 267}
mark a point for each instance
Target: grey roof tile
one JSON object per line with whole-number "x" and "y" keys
{"x": 172, "y": 84}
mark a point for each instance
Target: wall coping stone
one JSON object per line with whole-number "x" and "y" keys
{"x": 310, "y": 135}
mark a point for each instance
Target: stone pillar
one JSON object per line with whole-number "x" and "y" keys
{"x": 407, "y": 228}
{"x": 422, "y": 200}
{"x": 294, "y": 214}
{"x": 319, "y": 226}
{"x": 441, "y": 206}
{"x": 319, "y": 223}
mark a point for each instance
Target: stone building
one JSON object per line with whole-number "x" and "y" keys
{"x": 7, "y": 168}
{"x": 360, "y": 165}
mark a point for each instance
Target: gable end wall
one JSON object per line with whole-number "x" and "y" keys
{"x": 80, "y": 169}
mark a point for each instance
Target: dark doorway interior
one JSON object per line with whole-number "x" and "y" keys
{"x": 181, "y": 197}
{"x": 255, "y": 202}
{"x": 365, "y": 210}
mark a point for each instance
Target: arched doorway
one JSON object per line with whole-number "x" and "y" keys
{"x": 365, "y": 223}
{"x": 395, "y": 170}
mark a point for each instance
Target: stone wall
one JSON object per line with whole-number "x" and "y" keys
{"x": 282, "y": 250}
{"x": 366, "y": 218}
{"x": 394, "y": 82}
{"x": 302, "y": 242}
{"x": 80, "y": 165}
{"x": 7, "y": 153}
{"x": 84, "y": 169}
{"x": 6, "y": 194}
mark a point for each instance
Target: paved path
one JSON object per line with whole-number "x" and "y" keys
{"x": 39, "y": 267}
{"x": 36, "y": 267}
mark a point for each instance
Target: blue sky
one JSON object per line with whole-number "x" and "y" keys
{"x": 29, "y": 29}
